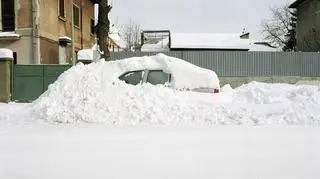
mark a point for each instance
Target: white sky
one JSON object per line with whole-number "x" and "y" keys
{"x": 213, "y": 16}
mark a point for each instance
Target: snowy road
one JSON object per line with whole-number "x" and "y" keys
{"x": 257, "y": 131}
{"x": 82, "y": 151}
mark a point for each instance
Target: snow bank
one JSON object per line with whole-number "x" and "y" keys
{"x": 6, "y": 53}
{"x": 93, "y": 93}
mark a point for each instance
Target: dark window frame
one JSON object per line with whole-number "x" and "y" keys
{"x": 62, "y": 11}
{"x": 76, "y": 15}
{"x": 92, "y": 27}
{"x": 8, "y": 16}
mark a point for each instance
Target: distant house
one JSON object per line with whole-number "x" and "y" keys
{"x": 308, "y": 24}
{"x": 206, "y": 42}
{"x": 115, "y": 41}
{"x": 41, "y": 32}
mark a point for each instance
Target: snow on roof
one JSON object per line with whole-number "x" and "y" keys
{"x": 161, "y": 46}
{"x": 9, "y": 34}
{"x": 85, "y": 54}
{"x": 6, "y": 53}
{"x": 115, "y": 36}
{"x": 208, "y": 41}
{"x": 65, "y": 38}
{"x": 263, "y": 47}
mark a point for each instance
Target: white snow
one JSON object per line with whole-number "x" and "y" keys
{"x": 65, "y": 38}
{"x": 85, "y": 54}
{"x": 86, "y": 87}
{"x": 258, "y": 130}
{"x": 6, "y": 53}
{"x": 209, "y": 41}
{"x": 262, "y": 48}
{"x": 255, "y": 131}
{"x": 115, "y": 36}
{"x": 161, "y": 46}
{"x": 39, "y": 150}
{"x": 9, "y": 34}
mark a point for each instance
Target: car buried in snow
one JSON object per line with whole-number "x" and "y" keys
{"x": 168, "y": 71}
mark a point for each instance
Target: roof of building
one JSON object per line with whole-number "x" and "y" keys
{"x": 208, "y": 41}
{"x": 296, "y": 3}
{"x": 116, "y": 38}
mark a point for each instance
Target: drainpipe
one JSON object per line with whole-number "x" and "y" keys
{"x": 34, "y": 32}
{"x": 72, "y": 37}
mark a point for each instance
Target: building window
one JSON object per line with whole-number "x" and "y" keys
{"x": 76, "y": 16}
{"x": 7, "y": 15}
{"x": 61, "y": 9}
{"x": 92, "y": 27}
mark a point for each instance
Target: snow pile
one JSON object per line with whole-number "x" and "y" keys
{"x": 264, "y": 103}
{"x": 6, "y": 53}
{"x": 93, "y": 93}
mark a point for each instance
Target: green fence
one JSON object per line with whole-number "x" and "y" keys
{"x": 30, "y": 81}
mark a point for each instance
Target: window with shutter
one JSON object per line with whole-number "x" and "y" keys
{"x": 8, "y": 15}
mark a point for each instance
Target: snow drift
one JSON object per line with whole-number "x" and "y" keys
{"x": 92, "y": 93}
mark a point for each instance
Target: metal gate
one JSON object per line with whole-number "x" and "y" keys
{"x": 30, "y": 81}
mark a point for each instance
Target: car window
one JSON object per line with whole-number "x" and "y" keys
{"x": 133, "y": 77}
{"x": 156, "y": 77}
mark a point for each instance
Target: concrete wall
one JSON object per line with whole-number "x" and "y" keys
{"x": 308, "y": 26}
{"x": 238, "y": 81}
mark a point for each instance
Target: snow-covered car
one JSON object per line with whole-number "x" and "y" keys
{"x": 171, "y": 72}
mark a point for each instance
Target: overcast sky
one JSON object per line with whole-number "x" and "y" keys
{"x": 213, "y": 16}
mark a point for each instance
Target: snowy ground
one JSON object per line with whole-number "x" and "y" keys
{"x": 268, "y": 131}
{"x": 86, "y": 126}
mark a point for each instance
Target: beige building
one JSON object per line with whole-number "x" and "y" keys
{"x": 40, "y": 31}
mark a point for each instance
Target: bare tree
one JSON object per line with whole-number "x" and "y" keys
{"x": 102, "y": 28}
{"x": 277, "y": 28}
{"x": 132, "y": 34}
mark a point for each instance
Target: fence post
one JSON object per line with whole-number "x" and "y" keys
{"x": 6, "y": 58}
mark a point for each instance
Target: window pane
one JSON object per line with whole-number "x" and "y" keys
{"x": 92, "y": 30}
{"x": 8, "y": 15}
{"x": 76, "y": 16}
{"x": 156, "y": 77}
{"x": 61, "y": 8}
{"x": 133, "y": 78}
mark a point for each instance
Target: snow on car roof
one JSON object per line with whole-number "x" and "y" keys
{"x": 185, "y": 74}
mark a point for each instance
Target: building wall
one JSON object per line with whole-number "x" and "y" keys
{"x": 47, "y": 29}
{"x": 23, "y": 14}
{"x": 51, "y": 27}
{"x": 22, "y": 47}
{"x": 308, "y": 26}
